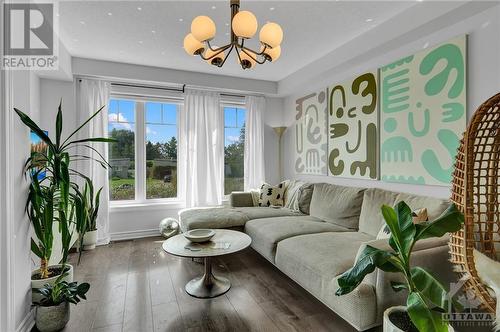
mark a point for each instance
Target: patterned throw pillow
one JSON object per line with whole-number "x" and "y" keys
{"x": 270, "y": 195}
{"x": 418, "y": 216}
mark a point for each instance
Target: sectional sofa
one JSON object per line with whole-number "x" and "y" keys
{"x": 320, "y": 241}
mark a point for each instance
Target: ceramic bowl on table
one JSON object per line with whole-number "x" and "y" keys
{"x": 199, "y": 235}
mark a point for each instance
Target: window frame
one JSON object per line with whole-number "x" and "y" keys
{"x": 140, "y": 149}
{"x": 229, "y": 104}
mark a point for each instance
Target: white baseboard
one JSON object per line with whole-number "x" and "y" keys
{"x": 134, "y": 234}
{"x": 28, "y": 322}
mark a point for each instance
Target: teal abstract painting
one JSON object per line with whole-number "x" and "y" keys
{"x": 423, "y": 114}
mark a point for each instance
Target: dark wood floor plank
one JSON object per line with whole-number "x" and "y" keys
{"x": 136, "y": 286}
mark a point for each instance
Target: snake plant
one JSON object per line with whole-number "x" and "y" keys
{"x": 427, "y": 297}
{"x": 50, "y": 199}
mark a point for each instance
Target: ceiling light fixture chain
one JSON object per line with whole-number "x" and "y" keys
{"x": 243, "y": 26}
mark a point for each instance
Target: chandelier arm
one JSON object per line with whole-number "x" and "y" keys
{"x": 220, "y": 50}
{"x": 257, "y": 53}
{"x": 239, "y": 58}
{"x": 225, "y": 47}
{"x": 244, "y": 49}
{"x": 227, "y": 56}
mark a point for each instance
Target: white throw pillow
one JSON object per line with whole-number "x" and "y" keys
{"x": 270, "y": 195}
{"x": 419, "y": 216}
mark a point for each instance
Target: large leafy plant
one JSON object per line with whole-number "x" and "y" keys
{"x": 62, "y": 291}
{"x": 427, "y": 297}
{"x": 50, "y": 199}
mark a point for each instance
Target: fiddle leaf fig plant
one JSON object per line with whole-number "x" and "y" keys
{"x": 427, "y": 297}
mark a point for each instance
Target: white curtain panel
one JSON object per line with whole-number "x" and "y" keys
{"x": 92, "y": 95}
{"x": 201, "y": 168}
{"x": 254, "y": 142}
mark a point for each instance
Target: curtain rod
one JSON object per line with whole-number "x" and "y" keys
{"x": 179, "y": 89}
{"x": 151, "y": 87}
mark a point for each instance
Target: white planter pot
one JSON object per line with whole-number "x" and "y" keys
{"x": 390, "y": 327}
{"x": 41, "y": 282}
{"x": 89, "y": 240}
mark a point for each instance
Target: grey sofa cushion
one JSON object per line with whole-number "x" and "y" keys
{"x": 315, "y": 261}
{"x": 266, "y": 233}
{"x": 224, "y": 217}
{"x": 371, "y": 218}
{"x": 337, "y": 204}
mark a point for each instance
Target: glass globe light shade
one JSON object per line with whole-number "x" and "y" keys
{"x": 247, "y": 61}
{"x": 271, "y": 54}
{"x": 203, "y": 28}
{"x": 244, "y": 24}
{"x": 193, "y": 46}
{"x": 216, "y": 60}
{"x": 271, "y": 34}
{"x": 168, "y": 227}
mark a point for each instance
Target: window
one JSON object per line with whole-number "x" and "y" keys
{"x": 121, "y": 126}
{"x": 161, "y": 150}
{"x": 144, "y": 159}
{"x": 234, "y": 146}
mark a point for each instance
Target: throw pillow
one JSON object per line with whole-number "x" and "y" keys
{"x": 270, "y": 195}
{"x": 292, "y": 195}
{"x": 305, "y": 196}
{"x": 418, "y": 216}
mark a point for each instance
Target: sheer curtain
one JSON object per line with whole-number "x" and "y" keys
{"x": 201, "y": 171}
{"x": 254, "y": 142}
{"x": 92, "y": 95}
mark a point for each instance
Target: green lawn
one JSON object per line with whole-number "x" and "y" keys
{"x": 124, "y": 189}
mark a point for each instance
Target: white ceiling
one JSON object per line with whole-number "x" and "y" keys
{"x": 151, "y": 32}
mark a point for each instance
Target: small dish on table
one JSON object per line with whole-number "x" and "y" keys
{"x": 199, "y": 235}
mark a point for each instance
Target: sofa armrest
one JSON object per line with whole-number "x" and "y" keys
{"x": 430, "y": 254}
{"x": 241, "y": 199}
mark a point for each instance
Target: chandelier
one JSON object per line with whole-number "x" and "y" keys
{"x": 243, "y": 27}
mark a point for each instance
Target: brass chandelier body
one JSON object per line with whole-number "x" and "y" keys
{"x": 243, "y": 26}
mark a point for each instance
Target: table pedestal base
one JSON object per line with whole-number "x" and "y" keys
{"x": 208, "y": 285}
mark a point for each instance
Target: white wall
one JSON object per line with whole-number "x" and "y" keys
{"x": 483, "y": 82}
{"x": 21, "y": 91}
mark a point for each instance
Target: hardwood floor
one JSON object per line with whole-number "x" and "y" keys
{"x": 135, "y": 286}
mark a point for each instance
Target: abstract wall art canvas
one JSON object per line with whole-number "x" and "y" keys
{"x": 423, "y": 114}
{"x": 311, "y": 141}
{"x": 353, "y": 122}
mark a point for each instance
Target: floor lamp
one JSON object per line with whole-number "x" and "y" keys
{"x": 279, "y": 131}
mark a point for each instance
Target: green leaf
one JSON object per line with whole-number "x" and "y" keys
{"x": 422, "y": 317}
{"x": 398, "y": 286}
{"x": 34, "y": 127}
{"x": 83, "y": 124}
{"x": 391, "y": 220}
{"x": 451, "y": 220}
{"x": 429, "y": 287}
{"x": 406, "y": 225}
{"x": 59, "y": 125}
{"x": 36, "y": 250}
{"x": 368, "y": 260}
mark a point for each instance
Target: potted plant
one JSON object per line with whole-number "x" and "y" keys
{"x": 53, "y": 308}
{"x": 86, "y": 211}
{"x": 50, "y": 198}
{"x": 427, "y": 297}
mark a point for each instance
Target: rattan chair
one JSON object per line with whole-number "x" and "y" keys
{"x": 476, "y": 192}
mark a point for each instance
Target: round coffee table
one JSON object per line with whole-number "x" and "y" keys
{"x": 224, "y": 242}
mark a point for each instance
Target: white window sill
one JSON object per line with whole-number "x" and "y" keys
{"x": 131, "y": 205}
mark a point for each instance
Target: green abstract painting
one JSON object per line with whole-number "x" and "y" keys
{"x": 311, "y": 140}
{"x": 353, "y": 128}
{"x": 423, "y": 114}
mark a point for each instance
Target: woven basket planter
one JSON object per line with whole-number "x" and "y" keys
{"x": 476, "y": 192}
